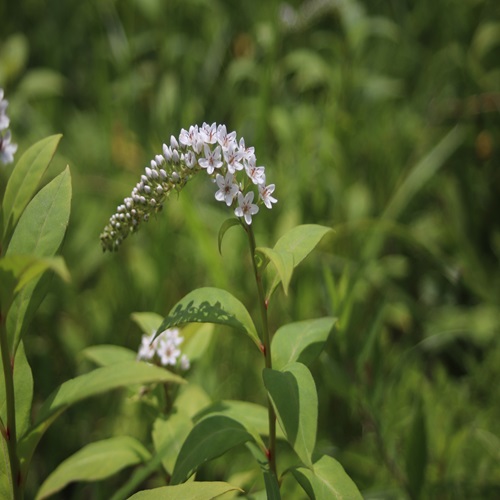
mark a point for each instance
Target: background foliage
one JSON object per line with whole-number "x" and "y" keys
{"x": 378, "y": 119}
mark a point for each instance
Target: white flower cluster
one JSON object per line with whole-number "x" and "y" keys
{"x": 231, "y": 164}
{"x": 165, "y": 348}
{"x": 7, "y": 149}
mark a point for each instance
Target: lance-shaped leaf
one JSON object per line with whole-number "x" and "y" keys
{"x": 301, "y": 341}
{"x": 211, "y": 305}
{"x": 251, "y": 414}
{"x": 327, "y": 480}
{"x": 40, "y": 232}
{"x": 168, "y": 436}
{"x": 227, "y": 224}
{"x": 94, "y": 462}
{"x": 90, "y": 384}
{"x": 293, "y": 395}
{"x": 23, "y": 391}
{"x": 298, "y": 242}
{"x": 283, "y": 263}
{"x": 5, "y": 477}
{"x": 107, "y": 354}
{"x": 25, "y": 178}
{"x": 209, "y": 439}
{"x": 416, "y": 452}
{"x": 147, "y": 321}
{"x": 270, "y": 481}
{"x": 194, "y": 491}
{"x": 25, "y": 268}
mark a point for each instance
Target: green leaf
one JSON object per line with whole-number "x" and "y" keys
{"x": 191, "y": 399}
{"x": 106, "y": 354}
{"x": 283, "y": 263}
{"x": 25, "y": 178}
{"x": 197, "y": 338}
{"x": 211, "y": 305}
{"x": 90, "y": 384}
{"x": 423, "y": 171}
{"x": 300, "y": 241}
{"x": 227, "y": 224}
{"x": 327, "y": 481}
{"x": 94, "y": 462}
{"x": 23, "y": 391}
{"x": 209, "y": 439}
{"x": 253, "y": 415}
{"x": 40, "y": 232}
{"x": 169, "y": 435}
{"x": 26, "y": 268}
{"x": 147, "y": 321}
{"x": 293, "y": 395}
{"x": 416, "y": 452}
{"x": 41, "y": 228}
{"x": 194, "y": 491}
{"x": 272, "y": 491}
{"x": 301, "y": 341}
{"x": 5, "y": 480}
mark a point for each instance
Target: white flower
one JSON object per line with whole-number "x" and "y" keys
{"x": 191, "y": 138}
{"x": 148, "y": 346}
{"x": 257, "y": 174}
{"x": 225, "y": 139}
{"x": 227, "y": 188}
{"x": 265, "y": 194}
{"x": 4, "y": 119}
{"x": 7, "y": 150}
{"x": 246, "y": 153}
{"x": 209, "y": 133}
{"x": 233, "y": 157}
{"x": 212, "y": 159}
{"x": 190, "y": 159}
{"x": 173, "y": 335}
{"x": 184, "y": 363}
{"x": 246, "y": 208}
{"x": 168, "y": 352}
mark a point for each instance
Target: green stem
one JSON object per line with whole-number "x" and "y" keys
{"x": 10, "y": 430}
{"x": 266, "y": 341}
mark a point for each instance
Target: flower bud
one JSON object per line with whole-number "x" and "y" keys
{"x": 167, "y": 153}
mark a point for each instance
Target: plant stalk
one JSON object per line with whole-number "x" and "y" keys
{"x": 10, "y": 430}
{"x": 266, "y": 341}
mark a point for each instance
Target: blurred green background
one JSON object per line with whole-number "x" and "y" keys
{"x": 380, "y": 119}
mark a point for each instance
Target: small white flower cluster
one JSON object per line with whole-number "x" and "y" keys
{"x": 7, "y": 150}
{"x": 231, "y": 164}
{"x": 165, "y": 347}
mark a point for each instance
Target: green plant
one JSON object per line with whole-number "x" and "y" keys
{"x": 218, "y": 428}
{"x": 33, "y": 227}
